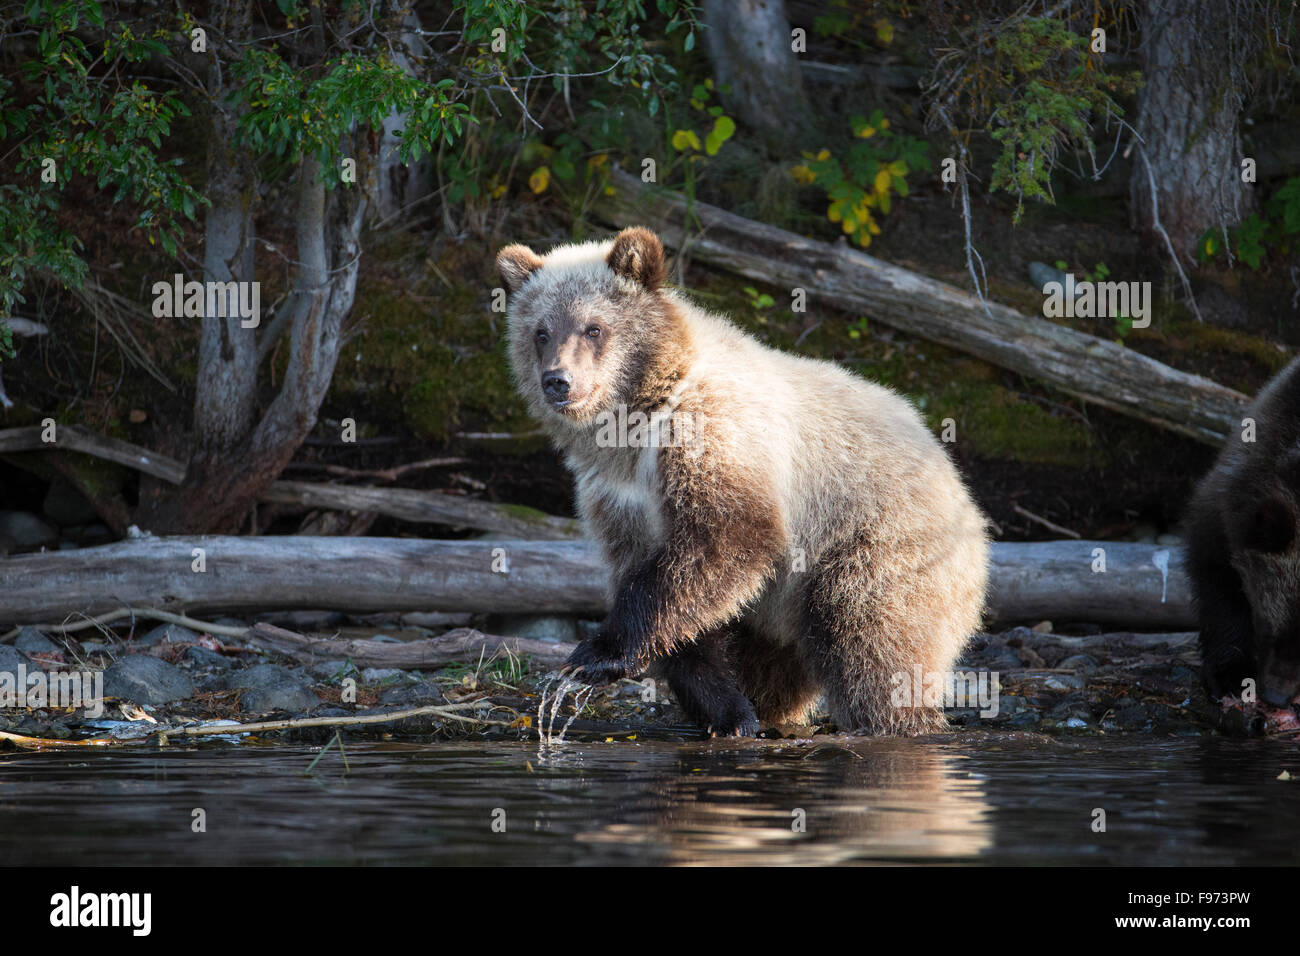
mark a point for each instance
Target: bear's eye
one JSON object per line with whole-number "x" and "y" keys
{"x": 542, "y": 337}
{"x": 593, "y": 332}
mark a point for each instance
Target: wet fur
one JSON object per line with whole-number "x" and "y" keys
{"x": 794, "y": 453}
{"x": 1243, "y": 556}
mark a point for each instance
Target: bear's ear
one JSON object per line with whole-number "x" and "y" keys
{"x": 638, "y": 255}
{"x": 1272, "y": 526}
{"x": 515, "y": 264}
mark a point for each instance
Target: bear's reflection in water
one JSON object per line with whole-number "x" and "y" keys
{"x": 885, "y": 800}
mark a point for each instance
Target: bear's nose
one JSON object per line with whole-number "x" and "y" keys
{"x": 556, "y": 384}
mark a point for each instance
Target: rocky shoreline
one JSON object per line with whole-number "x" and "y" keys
{"x": 171, "y": 676}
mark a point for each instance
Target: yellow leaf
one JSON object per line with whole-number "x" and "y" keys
{"x": 866, "y": 132}
{"x": 684, "y": 138}
{"x": 802, "y": 174}
{"x": 824, "y": 154}
{"x": 540, "y": 179}
{"x": 884, "y": 31}
{"x": 883, "y": 180}
{"x": 833, "y": 213}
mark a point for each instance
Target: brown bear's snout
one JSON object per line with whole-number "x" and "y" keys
{"x": 555, "y": 385}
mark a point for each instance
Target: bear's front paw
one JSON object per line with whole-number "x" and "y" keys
{"x": 593, "y": 666}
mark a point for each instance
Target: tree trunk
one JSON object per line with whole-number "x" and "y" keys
{"x": 1188, "y": 114}
{"x": 220, "y": 489}
{"x": 749, "y": 46}
{"x": 395, "y": 185}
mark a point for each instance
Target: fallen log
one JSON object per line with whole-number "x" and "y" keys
{"x": 1056, "y": 580}
{"x": 421, "y": 507}
{"x": 427, "y": 507}
{"x": 461, "y": 644}
{"x": 1090, "y": 368}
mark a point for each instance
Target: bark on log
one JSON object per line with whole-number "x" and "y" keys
{"x": 461, "y": 644}
{"x": 1093, "y": 369}
{"x": 427, "y": 507}
{"x": 421, "y": 507}
{"x": 1030, "y": 582}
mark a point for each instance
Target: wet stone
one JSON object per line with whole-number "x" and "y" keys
{"x": 11, "y": 657}
{"x": 375, "y": 675}
{"x": 206, "y": 659}
{"x": 32, "y": 641}
{"x": 173, "y": 633}
{"x": 146, "y": 680}
{"x": 413, "y": 695}
{"x": 1079, "y": 663}
{"x": 333, "y": 670}
{"x": 271, "y": 687}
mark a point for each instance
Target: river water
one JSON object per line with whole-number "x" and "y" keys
{"x": 973, "y": 799}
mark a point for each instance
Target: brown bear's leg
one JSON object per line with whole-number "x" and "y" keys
{"x": 870, "y": 623}
{"x": 775, "y": 677}
{"x": 704, "y": 684}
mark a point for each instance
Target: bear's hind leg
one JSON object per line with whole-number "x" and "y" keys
{"x": 704, "y": 684}
{"x": 775, "y": 677}
{"x": 871, "y": 624}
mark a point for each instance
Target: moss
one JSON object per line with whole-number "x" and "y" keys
{"x": 524, "y": 513}
{"x": 429, "y": 356}
{"x": 1204, "y": 337}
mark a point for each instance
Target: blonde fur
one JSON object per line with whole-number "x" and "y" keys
{"x": 796, "y": 463}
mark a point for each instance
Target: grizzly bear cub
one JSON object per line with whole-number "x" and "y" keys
{"x": 1243, "y": 551}
{"x": 777, "y": 528}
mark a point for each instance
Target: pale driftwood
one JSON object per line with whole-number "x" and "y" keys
{"x": 298, "y": 572}
{"x": 462, "y": 644}
{"x": 1090, "y": 368}
{"x": 1030, "y": 582}
{"x": 426, "y": 507}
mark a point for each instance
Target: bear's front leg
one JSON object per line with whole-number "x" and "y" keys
{"x": 724, "y": 536}
{"x": 623, "y": 647}
{"x": 595, "y": 661}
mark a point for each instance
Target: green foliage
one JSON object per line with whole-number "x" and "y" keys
{"x": 686, "y": 141}
{"x": 103, "y": 125}
{"x": 1059, "y": 86}
{"x": 845, "y": 21}
{"x": 1256, "y": 235}
{"x": 864, "y": 181}
{"x": 759, "y": 300}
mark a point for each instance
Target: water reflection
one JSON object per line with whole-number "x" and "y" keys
{"x": 972, "y": 799}
{"x": 818, "y": 804}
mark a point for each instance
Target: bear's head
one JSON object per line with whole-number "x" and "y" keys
{"x": 590, "y": 326}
